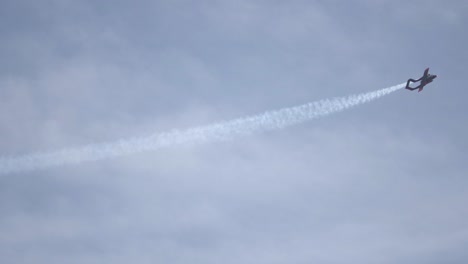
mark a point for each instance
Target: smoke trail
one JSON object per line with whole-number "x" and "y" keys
{"x": 270, "y": 120}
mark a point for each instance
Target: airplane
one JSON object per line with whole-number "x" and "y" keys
{"x": 425, "y": 79}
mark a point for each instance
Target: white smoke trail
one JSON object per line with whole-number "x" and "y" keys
{"x": 270, "y": 120}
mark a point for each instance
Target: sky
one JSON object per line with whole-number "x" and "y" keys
{"x": 385, "y": 182}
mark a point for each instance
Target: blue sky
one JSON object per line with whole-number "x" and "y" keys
{"x": 381, "y": 183}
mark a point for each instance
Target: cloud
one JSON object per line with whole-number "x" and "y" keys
{"x": 382, "y": 183}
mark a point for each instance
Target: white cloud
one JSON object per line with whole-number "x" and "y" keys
{"x": 381, "y": 183}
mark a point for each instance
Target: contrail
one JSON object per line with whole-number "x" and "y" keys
{"x": 221, "y": 131}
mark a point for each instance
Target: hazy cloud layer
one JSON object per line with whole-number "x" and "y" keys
{"x": 382, "y": 183}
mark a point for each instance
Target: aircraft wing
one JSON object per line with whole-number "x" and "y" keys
{"x": 426, "y": 72}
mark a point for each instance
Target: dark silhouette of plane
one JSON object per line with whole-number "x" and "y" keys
{"x": 425, "y": 79}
